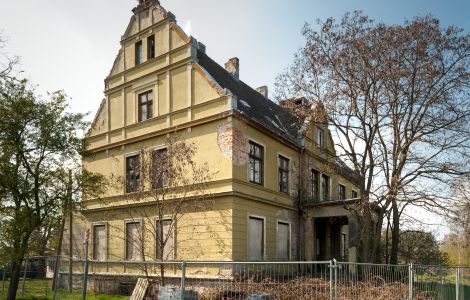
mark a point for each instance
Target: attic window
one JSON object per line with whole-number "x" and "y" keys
{"x": 320, "y": 138}
{"x": 138, "y": 53}
{"x": 151, "y": 47}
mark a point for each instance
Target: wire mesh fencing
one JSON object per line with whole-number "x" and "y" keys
{"x": 237, "y": 280}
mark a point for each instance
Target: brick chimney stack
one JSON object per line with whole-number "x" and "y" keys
{"x": 263, "y": 90}
{"x": 233, "y": 67}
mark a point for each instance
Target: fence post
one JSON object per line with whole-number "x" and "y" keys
{"x": 24, "y": 276}
{"x": 85, "y": 271}
{"x": 410, "y": 281}
{"x": 55, "y": 281}
{"x": 331, "y": 280}
{"x": 457, "y": 283}
{"x": 335, "y": 267}
{"x": 183, "y": 277}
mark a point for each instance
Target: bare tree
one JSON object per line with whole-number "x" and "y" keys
{"x": 6, "y": 62}
{"x": 397, "y": 97}
{"x": 164, "y": 184}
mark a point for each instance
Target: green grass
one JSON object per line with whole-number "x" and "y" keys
{"x": 42, "y": 290}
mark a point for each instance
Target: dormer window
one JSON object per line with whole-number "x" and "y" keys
{"x": 138, "y": 53}
{"x": 320, "y": 139}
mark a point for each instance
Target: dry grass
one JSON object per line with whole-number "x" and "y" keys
{"x": 313, "y": 288}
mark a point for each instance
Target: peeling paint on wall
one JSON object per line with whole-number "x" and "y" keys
{"x": 232, "y": 143}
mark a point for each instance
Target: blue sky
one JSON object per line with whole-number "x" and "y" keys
{"x": 71, "y": 45}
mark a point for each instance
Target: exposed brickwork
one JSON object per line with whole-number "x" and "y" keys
{"x": 232, "y": 143}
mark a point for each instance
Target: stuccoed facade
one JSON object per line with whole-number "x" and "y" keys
{"x": 209, "y": 105}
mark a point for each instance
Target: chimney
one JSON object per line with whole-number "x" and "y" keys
{"x": 233, "y": 67}
{"x": 201, "y": 47}
{"x": 263, "y": 90}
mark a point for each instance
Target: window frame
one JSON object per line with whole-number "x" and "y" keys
{"x": 93, "y": 237}
{"x": 341, "y": 192}
{"x": 148, "y": 104}
{"x": 126, "y": 250}
{"x": 138, "y": 49}
{"x": 151, "y": 51}
{"x": 325, "y": 196}
{"x": 154, "y": 184}
{"x": 139, "y": 183}
{"x": 165, "y": 218}
{"x": 354, "y": 194}
{"x": 261, "y": 159}
{"x": 315, "y": 185}
{"x": 289, "y": 242}
{"x": 282, "y": 171}
{"x": 320, "y": 138}
{"x": 259, "y": 217}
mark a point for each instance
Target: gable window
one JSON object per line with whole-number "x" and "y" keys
{"x": 283, "y": 241}
{"x": 145, "y": 106}
{"x": 132, "y": 173}
{"x": 99, "y": 242}
{"x": 165, "y": 239}
{"x": 255, "y": 238}
{"x": 138, "y": 53}
{"x": 151, "y": 47}
{"x": 256, "y": 163}
{"x": 342, "y": 192}
{"x": 133, "y": 241}
{"x": 320, "y": 138}
{"x": 314, "y": 183}
{"x": 159, "y": 168}
{"x": 283, "y": 174}
{"x": 325, "y": 187}
{"x": 354, "y": 194}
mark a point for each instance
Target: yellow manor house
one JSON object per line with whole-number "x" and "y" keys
{"x": 278, "y": 190}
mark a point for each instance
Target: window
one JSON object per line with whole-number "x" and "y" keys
{"x": 343, "y": 246}
{"x": 325, "y": 188}
{"x": 132, "y": 173}
{"x": 256, "y": 163}
{"x": 320, "y": 138}
{"x": 145, "y": 106}
{"x": 138, "y": 53}
{"x": 133, "y": 241}
{"x": 342, "y": 192}
{"x": 151, "y": 47}
{"x": 314, "y": 183}
{"x": 159, "y": 168}
{"x": 255, "y": 238}
{"x": 167, "y": 240}
{"x": 99, "y": 242}
{"x": 354, "y": 194}
{"x": 283, "y": 241}
{"x": 283, "y": 174}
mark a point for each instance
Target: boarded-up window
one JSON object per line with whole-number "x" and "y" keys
{"x": 283, "y": 241}
{"x": 133, "y": 241}
{"x": 99, "y": 242}
{"x": 167, "y": 239}
{"x": 255, "y": 238}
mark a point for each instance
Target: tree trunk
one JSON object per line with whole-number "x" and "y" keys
{"x": 14, "y": 278}
{"x": 395, "y": 233}
{"x": 377, "y": 238}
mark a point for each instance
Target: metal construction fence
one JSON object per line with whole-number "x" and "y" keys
{"x": 237, "y": 280}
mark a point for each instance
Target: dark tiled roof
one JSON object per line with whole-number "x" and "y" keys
{"x": 252, "y": 104}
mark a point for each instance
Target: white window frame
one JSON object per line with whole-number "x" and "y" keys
{"x": 166, "y": 217}
{"x": 255, "y": 216}
{"x": 106, "y": 228}
{"x": 263, "y": 181}
{"x": 289, "y": 223}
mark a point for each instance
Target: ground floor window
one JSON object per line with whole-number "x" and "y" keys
{"x": 256, "y": 242}
{"x": 165, "y": 239}
{"x": 99, "y": 242}
{"x": 283, "y": 241}
{"x": 133, "y": 241}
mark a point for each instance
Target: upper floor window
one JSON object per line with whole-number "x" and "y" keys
{"x": 283, "y": 174}
{"x": 138, "y": 53}
{"x": 320, "y": 138}
{"x": 151, "y": 47}
{"x": 342, "y": 192}
{"x": 256, "y": 163}
{"x": 353, "y": 194}
{"x": 314, "y": 183}
{"x": 325, "y": 188}
{"x": 132, "y": 173}
{"x": 159, "y": 168}
{"x": 145, "y": 106}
